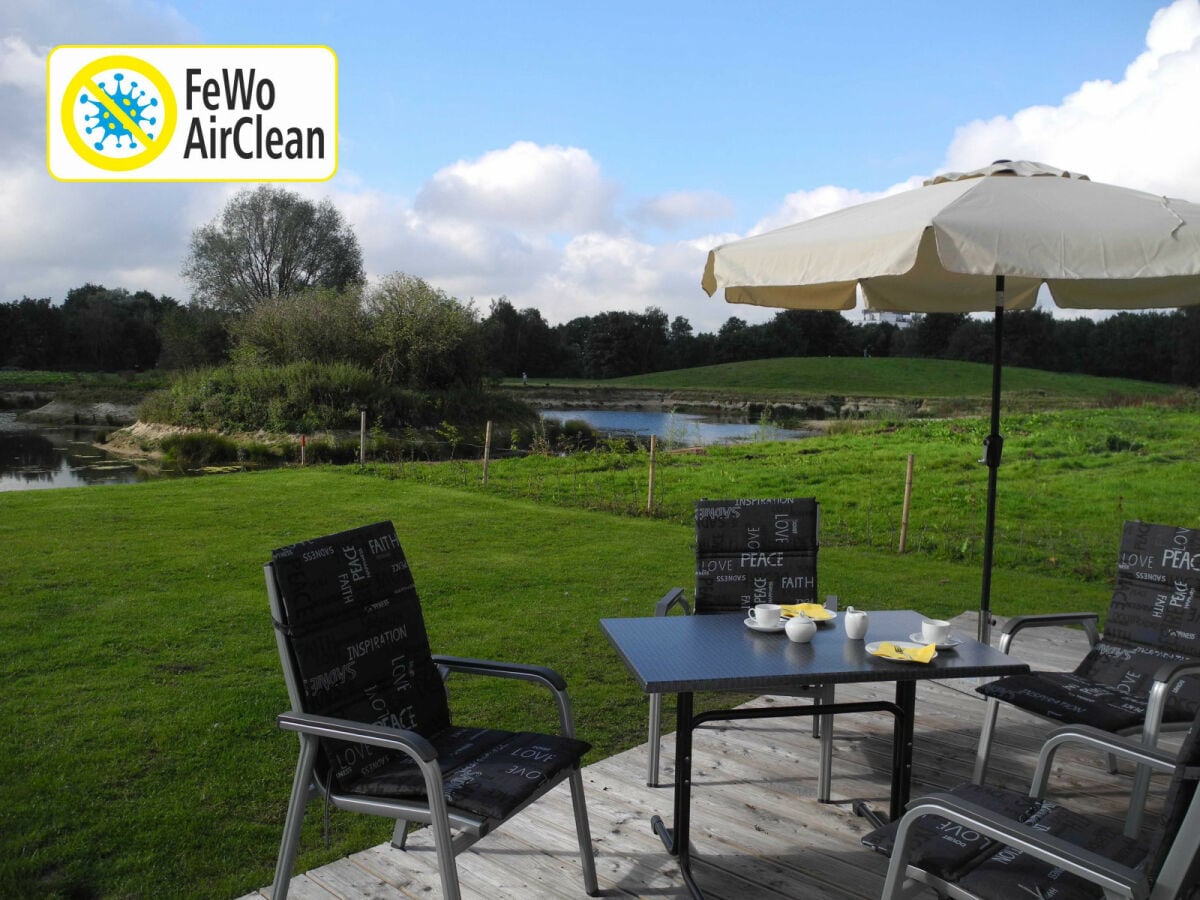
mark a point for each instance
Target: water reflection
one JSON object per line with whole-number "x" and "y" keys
{"x": 683, "y": 429}
{"x": 58, "y": 457}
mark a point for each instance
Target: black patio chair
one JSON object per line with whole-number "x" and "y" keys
{"x": 992, "y": 843}
{"x": 369, "y": 703}
{"x": 1135, "y": 678}
{"x": 748, "y": 552}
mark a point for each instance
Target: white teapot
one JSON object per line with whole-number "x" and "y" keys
{"x": 856, "y": 623}
{"x": 800, "y": 629}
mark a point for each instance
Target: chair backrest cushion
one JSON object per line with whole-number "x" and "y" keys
{"x": 1153, "y": 617}
{"x": 357, "y": 641}
{"x": 755, "y": 551}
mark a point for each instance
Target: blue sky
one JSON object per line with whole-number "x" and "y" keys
{"x": 583, "y": 157}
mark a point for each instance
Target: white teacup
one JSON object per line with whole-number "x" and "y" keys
{"x": 935, "y": 631}
{"x": 766, "y": 615}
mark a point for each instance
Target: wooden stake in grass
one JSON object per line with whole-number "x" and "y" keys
{"x": 907, "y": 501}
{"x": 650, "y": 494}
{"x": 487, "y": 449}
{"x": 362, "y": 438}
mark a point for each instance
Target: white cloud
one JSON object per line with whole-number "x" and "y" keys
{"x": 1142, "y": 131}
{"x": 801, "y": 205}
{"x": 20, "y": 65}
{"x": 56, "y": 236}
{"x": 525, "y": 186}
{"x": 683, "y": 209}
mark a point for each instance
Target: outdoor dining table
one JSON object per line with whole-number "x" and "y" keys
{"x": 718, "y": 653}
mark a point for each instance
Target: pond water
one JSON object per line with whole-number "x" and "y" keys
{"x": 38, "y": 457}
{"x": 681, "y": 429}
{"x": 33, "y": 458}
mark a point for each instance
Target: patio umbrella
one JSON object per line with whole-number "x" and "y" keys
{"x": 972, "y": 242}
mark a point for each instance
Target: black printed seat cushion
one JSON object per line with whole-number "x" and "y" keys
{"x": 1067, "y": 697}
{"x": 991, "y": 869}
{"x": 1009, "y": 873}
{"x": 1109, "y": 689}
{"x": 486, "y": 772}
{"x": 945, "y": 849}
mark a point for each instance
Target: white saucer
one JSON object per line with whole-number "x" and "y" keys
{"x": 873, "y": 648}
{"x": 766, "y": 629}
{"x": 948, "y": 644}
{"x": 832, "y": 618}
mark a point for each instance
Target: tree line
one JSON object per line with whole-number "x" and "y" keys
{"x": 418, "y": 335}
{"x": 278, "y": 279}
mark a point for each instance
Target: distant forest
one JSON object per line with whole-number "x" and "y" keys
{"x": 112, "y": 330}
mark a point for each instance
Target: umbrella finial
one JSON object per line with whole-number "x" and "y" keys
{"x": 1007, "y": 167}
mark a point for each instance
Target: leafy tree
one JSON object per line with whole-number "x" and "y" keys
{"x": 1134, "y": 345}
{"x": 112, "y": 330}
{"x": 425, "y": 338}
{"x": 1185, "y": 367}
{"x": 808, "y": 332}
{"x": 738, "y": 341}
{"x": 929, "y": 335}
{"x": 193, "y": 337}
{"x": 317, "y": 325}
{"x": 32, "y": 334}
{"x": 974, "y": 340}
{"x": 625, "y": 343}
{"x": 269, "y": 242}
{"x": 520, "y": 342}
{"x": 1029, "y": 339}
{"x": 682, "y": 345}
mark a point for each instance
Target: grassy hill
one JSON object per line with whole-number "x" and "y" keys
{"x": 889, "y": 377}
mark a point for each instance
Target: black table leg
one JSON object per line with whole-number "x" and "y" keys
{"x": 902, "y": 746}
{"x": 677, "y": 840}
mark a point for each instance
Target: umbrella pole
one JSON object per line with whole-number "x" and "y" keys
{"x": 992, "y": 447}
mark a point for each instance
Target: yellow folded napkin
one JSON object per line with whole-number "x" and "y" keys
{"x": 814, "y": 611}
{"x": 888, "y": 650}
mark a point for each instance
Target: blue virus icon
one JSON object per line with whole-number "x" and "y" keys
{"x": 111, "y": 125}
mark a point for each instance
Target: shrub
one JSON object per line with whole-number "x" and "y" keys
{"x": 196, "y": 450}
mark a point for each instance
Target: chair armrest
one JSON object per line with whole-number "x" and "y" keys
{"x": 673, "y": 597}
{"x": 415, "y": 745}
{"x": 1170, "y": 672}
{"x": 1100, "y": 741}
{"x": 540, "y": 675}
{"x": 1019, "y": 623}
{"x": 520, "y": 671}
{"x": 1092, "y": 867}
{"x": 1160, "y": 691}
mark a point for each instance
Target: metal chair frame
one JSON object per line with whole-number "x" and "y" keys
{"x": 432, "y": 810}
{"x": 1164, "y": 679}
{"x": 1117, "y": 881}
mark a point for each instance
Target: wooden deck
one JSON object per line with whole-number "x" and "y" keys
{"x": 757, "y": 828}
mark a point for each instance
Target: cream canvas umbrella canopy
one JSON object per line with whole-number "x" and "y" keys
{"x": 972, "y": 242}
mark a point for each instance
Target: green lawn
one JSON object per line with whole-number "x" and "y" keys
{"x": 140, "y": 675}
{"x": 890, "y": 377}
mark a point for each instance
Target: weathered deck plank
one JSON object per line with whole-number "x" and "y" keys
{"x": 757, "y": 828}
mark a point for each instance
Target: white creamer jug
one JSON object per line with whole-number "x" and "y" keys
{"x": 856, "y": 624}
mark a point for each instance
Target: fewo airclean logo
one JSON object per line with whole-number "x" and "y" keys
{"x": 191, "y": 113}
